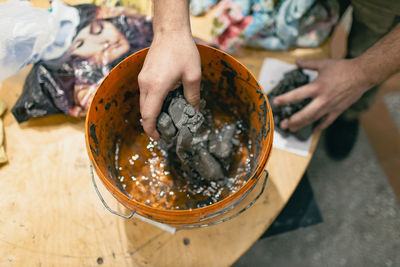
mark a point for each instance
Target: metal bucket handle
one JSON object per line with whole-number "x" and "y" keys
{"x": 183, "y": 226}
{"x": 234, "y": 215}
{"x": 104, "y": 203}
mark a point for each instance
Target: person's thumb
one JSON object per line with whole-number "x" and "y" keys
{"x": 313, "y": 64}
{"x": 191, "y": 88}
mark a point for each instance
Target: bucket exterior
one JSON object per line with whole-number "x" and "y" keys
{"x": 117, "y": 98}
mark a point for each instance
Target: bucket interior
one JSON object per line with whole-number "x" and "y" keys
{"x": 114, "y": 115}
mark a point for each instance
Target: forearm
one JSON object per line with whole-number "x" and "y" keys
{"x": 171, "y": 16}
{"x": 381, "y": 60}
{"x": 340, "y": 83}
{"x": 173, "y": 59}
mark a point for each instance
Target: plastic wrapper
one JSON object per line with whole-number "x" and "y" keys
{"x": 103, "y": 37}
{"x": 29, "y": 33}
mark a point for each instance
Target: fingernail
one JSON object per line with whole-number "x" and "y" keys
{"x": 284, "y": 124}
{"x": 276, "y": 102}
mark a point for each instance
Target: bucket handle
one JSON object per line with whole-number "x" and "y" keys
{"x": 103, "y": 201}
{"x": 234, "y": 215}
{"x": 183, "y": 226}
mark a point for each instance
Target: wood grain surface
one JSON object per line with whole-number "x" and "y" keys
{"x": 51, "y": 215}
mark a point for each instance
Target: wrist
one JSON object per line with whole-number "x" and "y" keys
{"x": 172, "y": 37}
{"x": 363, "y": 74}
{"x": 165, "y": 31}
{"x": 171, "y": 16}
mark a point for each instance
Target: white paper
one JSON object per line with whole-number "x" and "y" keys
{"x": 271, "y": 73}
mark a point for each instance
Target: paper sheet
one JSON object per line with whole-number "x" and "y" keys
{"x": 271, "y": 73}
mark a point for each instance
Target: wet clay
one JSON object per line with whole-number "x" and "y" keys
{"x": 202, "y": 157}
{"x": 184, "y": 133}
{"x": 291, "y": 80}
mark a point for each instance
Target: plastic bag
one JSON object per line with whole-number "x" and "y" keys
{"x": 29, "y": 34}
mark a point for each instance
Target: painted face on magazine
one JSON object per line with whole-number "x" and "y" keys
{"x": 100, "y": 43}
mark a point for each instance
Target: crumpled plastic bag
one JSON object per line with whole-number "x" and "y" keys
{"x": 29, "y": 34}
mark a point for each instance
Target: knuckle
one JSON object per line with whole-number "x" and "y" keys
{"x": 148, "y": 82}
{"x": 193, "y": 98}
{"x": 294, "y": 121}
{"x": 305, "y": 119}
{"x": 313, "y": 90}
{"x": 322, "y": 84}
{"x": 316, "y": 89}
{"x": 146, "y": 116}
{"x": 297, "y": 95}
{"x": 323, "y": 103}
{"x": 142, "y": 79}
{"x": 154, "y": 86}
{"x": 193, "y": 80}
{"x": 284, "y": 99}
{"x": 193, "y": 77}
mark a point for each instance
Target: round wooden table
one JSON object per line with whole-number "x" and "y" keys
{"x": 51, "y": 215}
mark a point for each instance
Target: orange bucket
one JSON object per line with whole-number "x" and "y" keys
{"x": 115, "y": 106}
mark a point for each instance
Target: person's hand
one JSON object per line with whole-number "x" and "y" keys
{"x": 173, "y": 59}
{"x": 339, "y": 84}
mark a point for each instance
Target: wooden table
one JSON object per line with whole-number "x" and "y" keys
{"x": 51, "y": 215}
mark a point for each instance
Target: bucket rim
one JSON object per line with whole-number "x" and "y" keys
{"x": 141, "y": 208}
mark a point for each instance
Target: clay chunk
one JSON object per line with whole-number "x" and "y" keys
{"x": 183, "y": 134}
{"x": 165, "y": 126}
{"x": 221, "y": 145}
{"x": 207, "y": 166}
{"x": 183, "y": 114}
{"x": 291, "y": 80}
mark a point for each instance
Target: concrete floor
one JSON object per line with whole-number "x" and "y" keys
{"x": 361, "y": 218}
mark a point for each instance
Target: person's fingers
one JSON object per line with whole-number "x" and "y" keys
{"x": 191, "y": 88}
{"x": 328, "y": 120}
{"x": 142, "y": 96}
{"x": 306, "y": 116}
{"x": 314, "y": 64}
{"x": 143, "y": 88}
{"x": 150, "y": 111}
{"x": 152, "y": 95}
{"x": 296, "y": 95}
